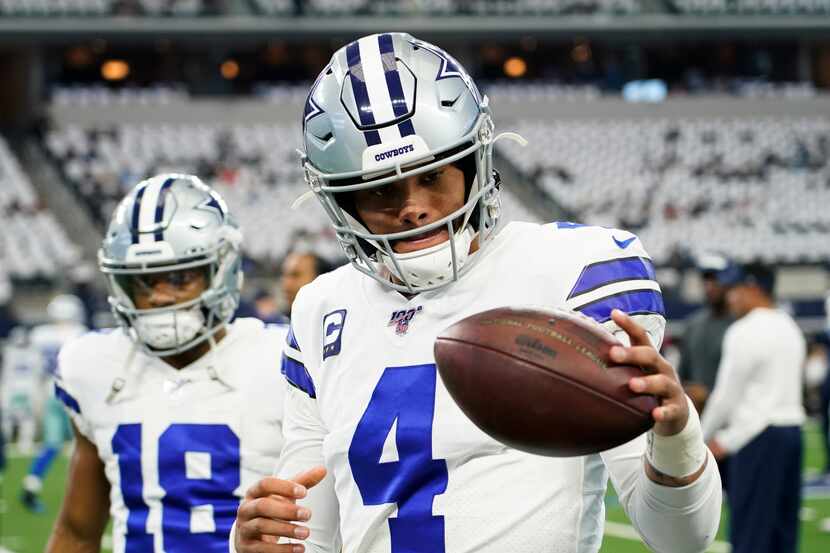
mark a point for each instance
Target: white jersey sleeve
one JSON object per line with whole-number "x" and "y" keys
{"x": 618, "y": 273}
{"x": 73, "y": 378}
{"x": 304, "y": 433}
{"x": 303, "y": 450}
{"x": 669, "y": 520}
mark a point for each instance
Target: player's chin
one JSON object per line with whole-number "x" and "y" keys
{"x": 421, "y": 241}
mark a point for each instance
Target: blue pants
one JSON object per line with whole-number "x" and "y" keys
{"x": 765, "y": 492}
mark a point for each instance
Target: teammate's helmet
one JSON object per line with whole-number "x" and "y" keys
{"x": 389, "y": 106}
{"x": 166, "y": 223}
{"x": 66, "y": 308}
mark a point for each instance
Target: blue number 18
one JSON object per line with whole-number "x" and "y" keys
{"x": 213, "y": 492}
{"x": 405, "y": 395}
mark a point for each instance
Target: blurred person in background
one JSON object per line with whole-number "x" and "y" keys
{"x": 66, "y": 322}
{"x": 177, "y": 411}
{"x": 824, "y": 395}
{"x": 21, "y": 384}
{"x": 703, "y": 336}
{"x": 298, "y": 269}
{"x": 755, "y": 414}
{"x": 815, "y": 376}
{"x": 263, "y": 306}
{"x": 267, "y": 308}
{"x": 7, "y": 318}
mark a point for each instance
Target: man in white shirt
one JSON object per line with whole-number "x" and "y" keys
{"x": 755, "y": 414}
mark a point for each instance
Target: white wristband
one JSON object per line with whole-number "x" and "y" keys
{"x": 679, "y": 455}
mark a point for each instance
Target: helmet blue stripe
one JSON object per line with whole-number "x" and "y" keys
{"x": 361, "y": 95}
{"x": 136, "y": 210}
{"x": 159, "y": 234}
{"x": 406, "y": 128}
{"x": 393, "y": 83}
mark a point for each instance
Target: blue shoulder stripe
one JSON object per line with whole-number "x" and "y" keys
{"x": 568, "y": 225}
{"x": 602, "y": 273}
{"x": 291, "y": 340}
{"x": 67, "y": 399}
{"x": 297, "y": 375}
{"x": 633, "y": 302}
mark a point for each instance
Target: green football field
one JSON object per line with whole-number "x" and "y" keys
{"x": 22, "y": 532}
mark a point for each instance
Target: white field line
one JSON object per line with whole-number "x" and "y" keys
{"x": 627, "y": 532}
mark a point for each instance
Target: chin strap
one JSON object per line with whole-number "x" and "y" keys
{"x": 515, "y": 137}
{"x": 303, "y": 198}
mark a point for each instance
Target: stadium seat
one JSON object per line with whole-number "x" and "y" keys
{"x": 32, "y": 244}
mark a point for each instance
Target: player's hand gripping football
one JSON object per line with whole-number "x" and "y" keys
{"x": 660, "y": 381}
{"x": 269, "y": 512}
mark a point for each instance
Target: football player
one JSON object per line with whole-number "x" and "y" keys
{"x": 179, "y": 410}
{"x": 66, "y": 316}
{"x": 399, "y": 146}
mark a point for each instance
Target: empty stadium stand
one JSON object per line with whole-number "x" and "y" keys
{"x": 255, "y": 167}
{"x": 35, "y": 8}
{"x": 753, "y": 188}
{"x": 32, "y": 244}
{"x": 446, "y": 7}
{"x": 754, "y": 7}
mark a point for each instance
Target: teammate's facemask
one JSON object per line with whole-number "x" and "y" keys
{"x": 169, "y": 231}
{"x": 387, "y": 107}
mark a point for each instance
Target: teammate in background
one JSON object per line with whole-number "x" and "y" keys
{"x": 21, "y": 386}
{"x": 399, "y": 147}
{"x": 298, "y": 269}
{"x": 66, "y": 316}
{"x": 176, "y": 412}
{"x": 755, "y": 415}
{"x": 703, "y": 335}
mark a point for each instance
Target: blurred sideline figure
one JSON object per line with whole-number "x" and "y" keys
{"x": 824, "y": 404}
{"x": 21, "y": 383}
{"x": 755, "y": 414}
{"x": 177, "y": 411}
{"x": 703, "y": 336}
{"x": 298, "y": 269}
{"x": 8, "y": 321}
{"x": 66, "y": 315}
{"x": 263, "y": 306}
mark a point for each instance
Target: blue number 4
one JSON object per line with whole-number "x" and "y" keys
{"x": 405, "y": 395}
{"x": 213, "y": 493}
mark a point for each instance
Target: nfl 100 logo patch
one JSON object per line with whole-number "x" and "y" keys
{"x": 401, "y": 319}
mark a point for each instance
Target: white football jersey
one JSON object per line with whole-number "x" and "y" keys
{"x": 411, "y": 473}
{"x": 48, "y": 339}
{"x": 21, "y": 379}
{"x": 180, "y": 447}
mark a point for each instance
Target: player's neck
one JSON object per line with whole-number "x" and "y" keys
{"x": 185, "y": 358}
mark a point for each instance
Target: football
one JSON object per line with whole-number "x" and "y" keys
{"x": 541, "y": 381}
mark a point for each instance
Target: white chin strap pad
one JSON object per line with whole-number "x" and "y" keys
{"x": 169, "y": 329}
{"x": 433, "y": 265}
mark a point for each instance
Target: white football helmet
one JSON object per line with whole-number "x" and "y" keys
{"x": 168, "y": 223}
{"x": 66, "y": 308}
{"x": 386, "y": 107}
